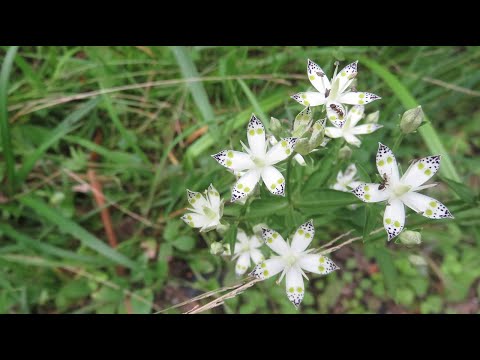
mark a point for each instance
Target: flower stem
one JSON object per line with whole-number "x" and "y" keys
{"x": 288, "y": 188}
{"x": 398, "y": 141}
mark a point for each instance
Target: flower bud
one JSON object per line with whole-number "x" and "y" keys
{"x": 275, "y": 126}
{"x": 257, "y": 229}
{"x": 372, "y": 118}
{"x": 345, "y": 153}
{"x": 417, "y": 260}
{"x": 411, "y": 120}
{"x": 303, "y": 122}
{"x": 302, "y": 146}
{"x": 409, "y": 237}
{"x": 216, "y": 248}
{"x": 318, "y": 134}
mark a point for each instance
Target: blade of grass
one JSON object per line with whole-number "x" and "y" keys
{"x": 427, "y": 131}
{"x": 59, "y": 132}
{"x": 253, "y": 101}
{"x": 4, "y": 125}
{"x": 68, "y": 226}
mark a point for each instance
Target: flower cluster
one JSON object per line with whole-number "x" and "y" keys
{"x": 258, "y": 163}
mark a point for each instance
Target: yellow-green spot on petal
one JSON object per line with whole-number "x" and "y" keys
{"x": 274, "y": 235}
{"x": 388, "y": 221}
{"x": 259, "y": 131}
{"x": 240, "y": 186}
{"x": 322, "y": 259}
{"x": 343, "y": 73}
{"x": 263, "y": 265}
{"x": 367, "y": 196}
{"x": 333, "y": 117}
{"x": 252, "y": 132}
{"x": 265, "y": 272}
{"x": 301, "y": 231}
{"x": 366, "y": 188}
{"x": 421, "y": 166}
{"x": 429, "y": 212}
{"x": 321, "y": 268}
{"x": 433, "y": 204}
{"x": 299, "y": 289}
{"x": 230, "y": 154}
{"x": 288, "y": 151}
{"x": 308, "y": 235}
{"x": 396, "y": 223}
{"x": 198, "y": 196}
{"x": 192, "y": 201}
{"x": 247, "y": 189}
{"x": 389, "y": 160}
{"x": 312, "y": 77}
{"x": 306, "y": 102}
{"x": 428, "y": 172}
{"x": 229, "y": 162}
{"x": 381, "y": 163}
{"x": 189, "y": 217}
{"x": 292, "y": 289}
{"x": 304, "y": 96}
{"x": 273, "y": 186}
{"x": 361, "y": 102}
{"x": 361, "y": 96}
{"x": 280, "y": 181}
{"x": 284, "y": 143}
{"x": 270, "y": 240}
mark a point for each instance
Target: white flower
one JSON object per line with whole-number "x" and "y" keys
{"x": 292, "y": 259}
{"x": 298, "y": 158}
{"x": 257, "y": 162}
{"x": 346, "y": 181}
{"x": 402, "y": 191}
{"x": 333, "y": 94}
{"x": 349, "y": 129}
{"x": 206, "y": 210}
{"x": 246, "y": 248}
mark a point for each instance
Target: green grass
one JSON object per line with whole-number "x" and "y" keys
{"x": 147, "y": 103}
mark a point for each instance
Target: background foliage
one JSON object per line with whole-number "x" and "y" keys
{"x": 131, "y": 123}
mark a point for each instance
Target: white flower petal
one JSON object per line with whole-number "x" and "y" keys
{"x": 357, "y": 98}
{"x": 350, "y": 173}
{"x": 365, "y": 129}
{"x": 346, "y": 76}
{"x": 245, "y": 185}
{"x": 210, "y": 226}
{"x": 420, "y": 171}
{"x": 426, "y": 206}
{"x": 317, "y": 264}
{"x": 281, "y": 150}
{"x": 300, "y": 160}
{"x": 196, "y": 220}
{"x": 273, "y": 180}
{"x": 256, "y": 136}
{"x": 352, "y": 140}
{"x": 256, "y": 256}
{"x": 336, "y": 114}
{"x": 369, "y": 192}
{"x": 386, "y": 163}
{"x": 213, "y": 198}
{"x": 275, "y": 241}
{"x": 354, "y": 115}
{"x": 242, "y": 238}
{"x": 255, "y": 241}
{"x": 354, "y": 184}
{"x": 197, "y": 201}
{"x": 394, "y": 218}
{"x": 303, "y": 237}
{"x": 294, "y": 285}
{"x": 309, "y": 98}
{"x": 333, "y": 132}
{"x": 268, "y": 268}
{"x": 317, "y": 77}
{"x": 234, "y": 160}
{"x": 243, "y": 263}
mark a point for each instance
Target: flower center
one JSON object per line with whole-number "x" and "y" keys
{"x": 245, "y": 248}
{"x": 209, "y": 212}
{"x": 400, "y": 189}
{"x": 290, "y": 259}
{"x": 258, "y": 161}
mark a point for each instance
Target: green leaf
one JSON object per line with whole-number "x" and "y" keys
{"x": 463, "y": 191}
{"x": 231, "y": 237}
{"x": 142, "y": 307}
{"x": 67, "y": 125}
{"x": 4, "y": 124}
{"x": 253, "y": 101}
{"x": 362, "y": 173}
{"x": 264, "y": 207}
{"x": 68, "y": 226}
{"x": 184, "y": 243}
{"x": 371, "y": 220}
{"x": 388, "y": 269}
{"x": 325, "y": 199}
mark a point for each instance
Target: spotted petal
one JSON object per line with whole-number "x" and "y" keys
{"x": 357, "y": 98}
{"x": 354, "y": 115}
{"x": 281, "y": 150}
{"x": 346, "y": 76}
{"x": 197, "y": 201}
{"x": 234, "y": 160}
{"x": 310, "y": 98}
{"x": 245, "y": 185}
{"x": 256, "y": 256}
{"x": 243, "y": 263}
{"x": 268, "y": 268}
{"x": 336, "y": 114}
{"x": 365, "y": 129}
{"x": 303, "y": 236}
{"x": 350, "y": 173}
{"x": 317, "y": 263}
{"x": 196, "y": 220}
{"x": 426, "y": 206}
{"x": 317, "y": 77}
{"x": 294, "y": 284}
{"x": 420, "y": 171}
{"x": 213, "y": 198}
{"x": 369, "y": 192}
{"x": 256, "y": 136}
{"x": 275, "y": 241}
{"x": 352, "y": 139}
{"x": 273, "y": 180}
{"x": 386, "y": 163}
{"x": 255, "y": 241}
{"x": 394, "y": 218}
{"x": 333, "y": 132}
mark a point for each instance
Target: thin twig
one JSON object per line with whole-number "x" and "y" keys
{"x": 336, "y": 239}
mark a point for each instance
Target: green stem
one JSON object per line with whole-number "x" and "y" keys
{"x": 288, "y": 188}
{"x": 398, "y": 141}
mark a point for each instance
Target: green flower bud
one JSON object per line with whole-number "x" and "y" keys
{"x": 345, "y": 153}
{"x": 302, "y": 146}
{"x": 257, "y": 229}
{"x": 222, "y": 228}
{"x": 57, "y": 198}
{"x": 275, "y": 126}
{"x": 318, "y": 134}
{"x": 409, "y": 237}
{"x": 411, "y": 120}
{"x": 372, "y": 118}
{"x": 303, "y": 122}
{"x": 216, "y": 248}
{"x": 417, "y": 260}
